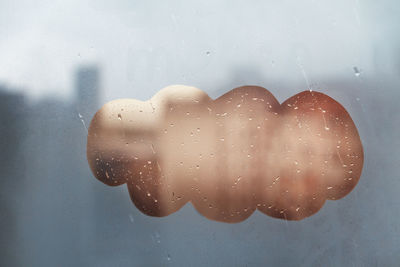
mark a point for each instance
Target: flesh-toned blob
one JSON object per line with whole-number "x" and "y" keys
{"x": 230, "y": 156}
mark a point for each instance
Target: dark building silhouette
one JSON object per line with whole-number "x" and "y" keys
{"x": 58, "y": 187}
{"x": 12, "y": 132}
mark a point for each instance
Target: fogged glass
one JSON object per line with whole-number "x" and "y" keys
{"x": 61, "y": 62}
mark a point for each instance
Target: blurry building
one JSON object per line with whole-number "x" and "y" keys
{"x": 59, "y": 189}
{"x": 12, "y": 131}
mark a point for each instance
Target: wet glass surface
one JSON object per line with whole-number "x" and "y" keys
{"x": 62, "y": 61}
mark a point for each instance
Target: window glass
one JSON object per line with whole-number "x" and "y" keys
{"x": 62, "y": 60}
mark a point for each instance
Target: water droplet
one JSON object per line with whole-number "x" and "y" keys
{"x": 131, "y": 218}
{"x": 356, "y": 71}
{"x": 157, "y": 236}
{"x": 119, "y": 116}
{"x": 208, "y": 53}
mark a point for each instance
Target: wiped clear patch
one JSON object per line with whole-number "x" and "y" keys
{"x": 229, "y": 156}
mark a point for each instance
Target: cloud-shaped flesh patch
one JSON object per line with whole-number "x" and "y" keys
{"x": 229, "y": 156}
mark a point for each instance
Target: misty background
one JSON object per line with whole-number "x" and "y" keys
{"x": 62, "y": 60}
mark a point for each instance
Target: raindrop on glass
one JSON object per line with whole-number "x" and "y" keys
{"x": 356, "y": 71}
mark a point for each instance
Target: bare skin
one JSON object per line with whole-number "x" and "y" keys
{"x": 230, "y": 156}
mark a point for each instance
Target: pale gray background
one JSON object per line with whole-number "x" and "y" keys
{"x": 60, "y": 60}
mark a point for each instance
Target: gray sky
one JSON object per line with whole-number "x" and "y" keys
{"x": 147, "y": 45}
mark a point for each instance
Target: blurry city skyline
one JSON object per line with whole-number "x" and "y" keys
{"x": 56, "y": 211}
